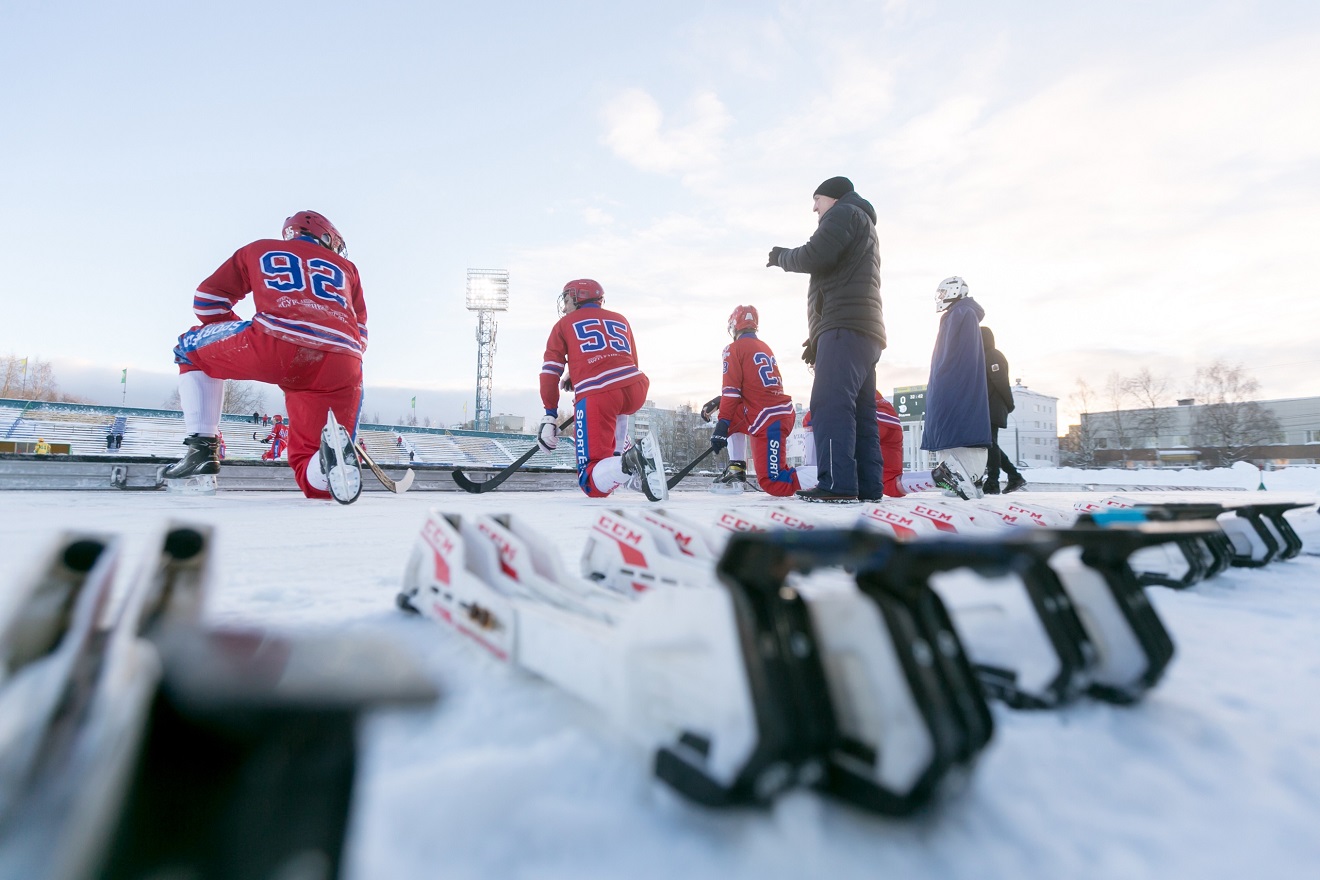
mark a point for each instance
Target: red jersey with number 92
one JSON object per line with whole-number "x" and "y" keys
{"x": 304, "y": 293}
{"x": 598, "y": 347}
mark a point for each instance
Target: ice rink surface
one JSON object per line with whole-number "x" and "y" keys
{"x": 1216, "y": 774}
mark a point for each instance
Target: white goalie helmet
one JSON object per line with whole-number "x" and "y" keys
{"x": 950, "y": 290}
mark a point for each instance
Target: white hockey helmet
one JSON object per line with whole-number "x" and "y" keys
{"x": 950, "y": 290}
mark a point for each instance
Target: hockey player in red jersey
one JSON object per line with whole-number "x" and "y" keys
{"x": 598, "y": 348}
{"x": 891, "y": 446}
{"x": 307, "y": 336}
{"x": 278, "y": 438}
{"x": 754, "y": 410}
{"x": 891, "y": 450}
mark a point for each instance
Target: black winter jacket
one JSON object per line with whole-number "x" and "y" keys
{"x": 843, "y": 259}
{"x": 996, "y": 379}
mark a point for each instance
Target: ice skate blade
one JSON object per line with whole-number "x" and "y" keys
{"x": 727, "y": 488}
{"x": 345, "y": 483}
{"x": 654, "y": 482}
{"x": 198, "y": 484}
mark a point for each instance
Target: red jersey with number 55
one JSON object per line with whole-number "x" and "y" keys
{"x": 751, "y": 378}
{"x": 598, "y": 347}
{"x": 304, "y": 293}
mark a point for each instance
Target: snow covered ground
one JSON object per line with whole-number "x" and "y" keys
{"x": 1215, "y": 775}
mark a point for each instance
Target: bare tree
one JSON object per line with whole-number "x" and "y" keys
{"x": 1229, "y": 419}
{"x": 1080, "y": 445}
{"x": 1117, "y": 394}
{"x": 31, "y": 379}
{"x": 1151, "y": 392}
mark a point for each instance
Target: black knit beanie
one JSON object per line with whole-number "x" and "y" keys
{"x": 834, "y": 188}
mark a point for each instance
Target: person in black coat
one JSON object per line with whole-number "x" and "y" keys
{"x": 846, "y": 327}
{"x": 1001, "y": 404}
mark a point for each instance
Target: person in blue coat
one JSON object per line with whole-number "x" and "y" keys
{"x": 957, "y": 403}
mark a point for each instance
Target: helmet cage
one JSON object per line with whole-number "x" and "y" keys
{"x": 743, "y": 319}
{"x": 578, "y": 292}
{"x": 951, "y": 290}
{"x": 317, "y": 227}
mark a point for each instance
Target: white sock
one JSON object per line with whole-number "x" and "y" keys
{"x": 315, "y": 476}
{"x": 200, "y": 396}
{"x": 737, "y": 447}
{"x": 806, "y": 476}
{"x": 622, "y": 439}
{"x": 917, "y": 481}
{"x": 608, "y": 474}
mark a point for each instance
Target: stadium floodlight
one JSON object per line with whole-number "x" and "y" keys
{"x": 487, "y": 293}
{"x": 488, "y": 290}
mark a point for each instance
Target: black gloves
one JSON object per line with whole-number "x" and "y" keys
{"x": 809, "y": 352}
{"x": 774, "y": 256}
{"x": 719, "y": 440}
{"x": 709, "y": 409}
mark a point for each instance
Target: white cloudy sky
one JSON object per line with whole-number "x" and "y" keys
{"x": 1122, "y": 185}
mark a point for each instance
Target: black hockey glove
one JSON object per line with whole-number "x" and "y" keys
{"x": 709, "y": 408}
{"x": 809, "y": 352}
{"x": 719, "y": 440}
{"x": 774, "y": 256}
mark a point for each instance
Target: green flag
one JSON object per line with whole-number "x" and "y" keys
{"x": 123, "y": 380}
{"x": 414, "y": 403}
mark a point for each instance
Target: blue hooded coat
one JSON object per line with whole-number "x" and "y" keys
{"x": 957, "y": 402}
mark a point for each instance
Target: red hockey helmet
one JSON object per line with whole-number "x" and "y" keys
{"x": 319, "y": 228}
{"x": 742, "y": 320}
{"x": 279, "y": 418}
{"x": 583, "y": 290}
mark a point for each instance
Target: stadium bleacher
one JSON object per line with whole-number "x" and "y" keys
{"x": 157, "y": 434}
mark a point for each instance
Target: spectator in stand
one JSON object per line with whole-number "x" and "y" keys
{"x": 110, "y": 441}
{"x": 42, "y": 448}
{"x": 256, "y": 417}
{"x": 1001, "y": 404}
{"x": 846, "y": 330}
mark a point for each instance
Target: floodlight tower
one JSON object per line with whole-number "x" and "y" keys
{"x": 487, "y": 293}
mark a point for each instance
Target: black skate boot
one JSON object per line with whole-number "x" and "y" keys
{"x": 196, "y": 471}
{"x": 733, "y": 481}
{"x": 644, "y": 464}
{"x": 951, "y": 476}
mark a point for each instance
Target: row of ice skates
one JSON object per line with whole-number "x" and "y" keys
{"x": 766, "y": 650}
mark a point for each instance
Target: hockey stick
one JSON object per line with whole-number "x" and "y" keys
{"x": 469, "y": 485}
{"x": 687, "y": 469}
{"x": 399, "y": 487}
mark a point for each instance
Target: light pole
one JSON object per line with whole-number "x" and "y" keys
{"x": 487, "y": 293}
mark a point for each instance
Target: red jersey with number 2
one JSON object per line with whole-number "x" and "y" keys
{"x": 598, "y": 347}
{"x": 751, "y": 378}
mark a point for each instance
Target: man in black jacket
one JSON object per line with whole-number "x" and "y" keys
{"x": 846, "y": 327}
{"x": 1001, "y": 404}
